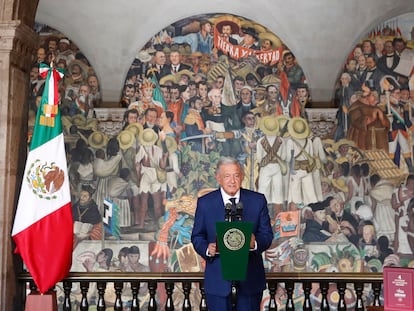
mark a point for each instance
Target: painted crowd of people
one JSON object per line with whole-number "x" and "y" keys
{"x": 232, "y": 88}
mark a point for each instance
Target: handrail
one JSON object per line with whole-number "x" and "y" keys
{"x": 196, "y": 276}
{"x": 358, "y": 281}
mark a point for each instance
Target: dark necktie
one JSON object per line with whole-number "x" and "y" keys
{"x": 233, "y": 205}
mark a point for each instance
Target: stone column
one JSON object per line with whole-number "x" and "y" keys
{"x": 18, "y": 43}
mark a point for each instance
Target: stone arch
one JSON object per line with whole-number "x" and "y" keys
{"x": 10, "y": 118}
{"x": 185, "y": 32}
{"x": 399, "y": 26}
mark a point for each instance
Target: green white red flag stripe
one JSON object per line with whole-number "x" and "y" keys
{"x": 43, "y": 225}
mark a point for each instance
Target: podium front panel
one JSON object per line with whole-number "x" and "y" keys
{"x": 233, "y": 242}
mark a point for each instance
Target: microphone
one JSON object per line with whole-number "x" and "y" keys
{"x": 228, "y": 212}
{"x": 233, "y": 211}
{"x": 239, "y": 211}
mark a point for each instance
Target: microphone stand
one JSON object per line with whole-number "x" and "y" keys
{"x": 234, "y": 212}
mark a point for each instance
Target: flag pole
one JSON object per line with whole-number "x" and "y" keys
{"x": 102, "y": 210}
{"x": 103, "y": 237}
{"x": 46, "y": 231}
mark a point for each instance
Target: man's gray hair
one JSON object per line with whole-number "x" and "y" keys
{"x": 227, "y": 160}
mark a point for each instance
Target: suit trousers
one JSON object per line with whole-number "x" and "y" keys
{"x": 244, "y": 302}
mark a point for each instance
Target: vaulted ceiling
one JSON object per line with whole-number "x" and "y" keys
{"x": 319, "y": 32}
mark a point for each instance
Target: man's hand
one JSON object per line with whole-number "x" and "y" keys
{"x": 212, "y": 249}
{"x": 252, "y": 241}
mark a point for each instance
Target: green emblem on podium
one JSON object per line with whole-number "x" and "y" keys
{"x": 233, "y": 243}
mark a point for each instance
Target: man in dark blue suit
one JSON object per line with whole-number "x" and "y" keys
{"x": 211, "y": 209}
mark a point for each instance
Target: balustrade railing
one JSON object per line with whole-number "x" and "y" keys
{"x": 168, "y": 283}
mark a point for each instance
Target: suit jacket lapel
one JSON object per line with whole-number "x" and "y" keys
{"x": 219, "y": 205}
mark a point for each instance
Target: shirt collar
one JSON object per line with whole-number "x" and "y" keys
{"x": 226, "y": 197}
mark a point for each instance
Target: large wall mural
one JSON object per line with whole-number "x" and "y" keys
{"x": 221, "y": 85}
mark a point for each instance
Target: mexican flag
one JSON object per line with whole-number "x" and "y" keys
{"x": 157, "y": 95}
{"x": 43, "y": 225}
